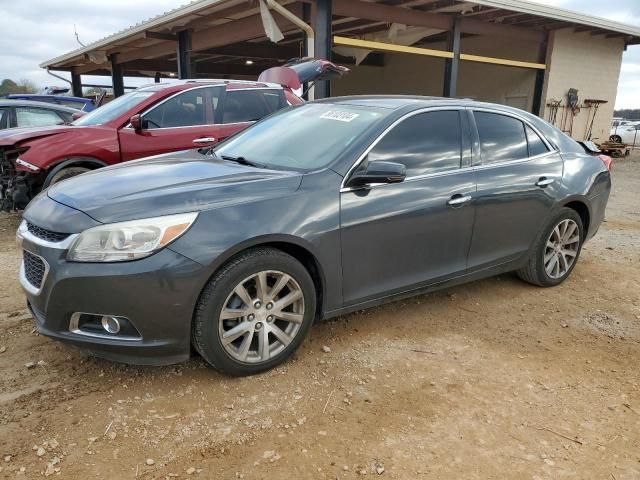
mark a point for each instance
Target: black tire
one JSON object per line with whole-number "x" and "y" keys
{"x": 615, "y": 138}
{"x": 205, "y": 334}
{"x": 534, "y": 272}
{"x": 67, "y": 172}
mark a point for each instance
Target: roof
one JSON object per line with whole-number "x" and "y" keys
{"x": 32, "y": 103}
{"x": 151, "y": 45}
{"x": 561, "y": 14}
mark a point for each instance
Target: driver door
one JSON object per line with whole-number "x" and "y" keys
{"x": 183, "y": 121}
{"x": 400, "y": 236}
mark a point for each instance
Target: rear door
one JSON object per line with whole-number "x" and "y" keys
{"x": 403, "y": 235}
{"x": 518, "y": 173}
{"x": 184, "y": 120}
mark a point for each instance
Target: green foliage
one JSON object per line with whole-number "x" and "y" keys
{"x": 628, "y": 114}
{"x": 8, "y": 86}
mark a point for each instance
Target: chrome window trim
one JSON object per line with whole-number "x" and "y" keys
{"x": 386, "y": 131}
{"x": 150, "y": 109}
{"x": 498, "y": 111}
{"x": 28, "y": 286}
{"x": 481, "y": 166}
{"x": 75, "y": 329}
{"x": 153, "y": 107}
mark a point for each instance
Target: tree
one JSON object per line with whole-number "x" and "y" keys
{"x": 8, "y": 86}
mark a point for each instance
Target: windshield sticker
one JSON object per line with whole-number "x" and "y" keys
{"x": 340, "y": 115}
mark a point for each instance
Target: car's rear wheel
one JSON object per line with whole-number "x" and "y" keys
{"x": 254, "y": 313}
{"x": 556, "y": 251}
{"x": 615, "y": 138}
{"x": 67, "y": 172}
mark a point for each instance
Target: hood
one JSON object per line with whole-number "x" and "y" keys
{"x": 11, "y": 136}
{"x": 303, "y": 70}
{"x": 166, "y": 184}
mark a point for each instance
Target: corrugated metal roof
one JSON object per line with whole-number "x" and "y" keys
{"x": 174, "y": 16}
{"x": 561, "y": 14}
{"x": 154, "y": 22}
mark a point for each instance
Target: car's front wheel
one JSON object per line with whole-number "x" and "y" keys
{"x": 254, "y": 313}
{"x": 66, "y": 173}
{"x": 556, "y": 251}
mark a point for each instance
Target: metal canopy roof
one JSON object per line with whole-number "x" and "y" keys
{"x": 228, "y": 32}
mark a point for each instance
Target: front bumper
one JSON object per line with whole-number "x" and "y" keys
{"x": 156, "y": 294}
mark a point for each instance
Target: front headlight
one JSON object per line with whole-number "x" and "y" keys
{"x": 118, "y": 242}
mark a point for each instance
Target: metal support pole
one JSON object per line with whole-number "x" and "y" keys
{"x": 324, "y": 42}
{"x": 537, "y": 105}
{"x": 76, "y": 84}
{"x": 185, "y": 65}
{"x": 117, "y": 80}
{"x": 451, "y": 64}
{"x": 306, "y": 17}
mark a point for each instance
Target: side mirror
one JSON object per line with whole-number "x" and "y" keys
{"x": 378, "y": 172}
{"x": 136, "y": 122}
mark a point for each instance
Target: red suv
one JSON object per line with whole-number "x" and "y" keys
{"x": 148, "y": 121}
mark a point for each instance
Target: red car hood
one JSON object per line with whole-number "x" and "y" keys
{"x": 11, "y": 136}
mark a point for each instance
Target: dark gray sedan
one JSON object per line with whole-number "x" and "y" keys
{"x": 315, "y": 211}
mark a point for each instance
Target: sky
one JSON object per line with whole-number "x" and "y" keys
{"x": 38, "y": 30}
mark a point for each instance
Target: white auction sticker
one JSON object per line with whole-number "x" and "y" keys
{"x": 339, "y": 115}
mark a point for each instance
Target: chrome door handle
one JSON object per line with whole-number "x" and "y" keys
{"x": 201, "y": 140}
{"x": 544, "y": 181}
{"x": 459, "y": 200}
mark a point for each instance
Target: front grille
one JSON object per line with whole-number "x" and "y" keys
{"x": 44, "y": 234}
{"x": 34, "y": 268}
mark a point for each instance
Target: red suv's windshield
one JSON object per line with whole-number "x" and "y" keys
{"x": 113, "y": 109}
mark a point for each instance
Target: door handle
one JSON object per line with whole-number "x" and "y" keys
{"x": 458, "y": 199}
{"x": 544, "y": 181}
{"x": 201, "y": 140}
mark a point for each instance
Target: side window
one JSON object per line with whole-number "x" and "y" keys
{"x": 536, "y": 145}
{"x": 424, "y": 143}
{"x": 250, "y": 105}
{"x": 184, "y": 110}
{"x": 36, "y": 117}
{"x": 502, "y": 138}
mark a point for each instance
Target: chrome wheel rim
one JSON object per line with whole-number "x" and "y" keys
{"x": 561, "y": 248}
{"x": 261, "y": 316}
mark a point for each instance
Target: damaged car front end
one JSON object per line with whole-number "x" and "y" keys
{"x": 19, "y": 179}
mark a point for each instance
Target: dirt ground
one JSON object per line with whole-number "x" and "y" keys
{"x": 494, "y": 379}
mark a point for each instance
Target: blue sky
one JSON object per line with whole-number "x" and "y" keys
{"x": 41, "y": 29}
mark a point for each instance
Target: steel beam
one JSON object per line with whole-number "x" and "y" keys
{"x": 76, "y": 83}
{"x": 117, "y": 80}
{"x": 322, "y": 89}
{"x": 451, "y": 64}
{"x": 185, "y": 64}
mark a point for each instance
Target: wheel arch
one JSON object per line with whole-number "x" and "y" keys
{"x": 581, "y": 207}
{"x": 87, "y": 162}
{"x": 298, "y": 248}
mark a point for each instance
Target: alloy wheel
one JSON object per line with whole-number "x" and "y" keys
{"x": 261, "y": 316}
{"x": 562, "y": 248}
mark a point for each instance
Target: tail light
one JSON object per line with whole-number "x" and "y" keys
{"x": 606, "y": 160}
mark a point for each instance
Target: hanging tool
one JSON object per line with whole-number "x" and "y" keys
{"x": 592, "y": 104}
{"x": 553, "y": 105}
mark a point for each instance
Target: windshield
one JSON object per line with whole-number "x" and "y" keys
{"x": 113, "y": 109}
{"x": 304, "y": 138}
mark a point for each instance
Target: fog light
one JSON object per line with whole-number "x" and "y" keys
{"x": 110, "y": 324}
